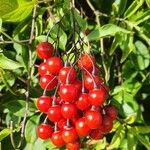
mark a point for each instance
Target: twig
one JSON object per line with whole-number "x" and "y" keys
{"x": 11, "y": 42}
{"x": 29, "y": 75}
{"x": 11, "y": 135}
{"x": 102, "y": 52}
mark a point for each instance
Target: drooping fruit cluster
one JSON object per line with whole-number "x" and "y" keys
{"x": 76, "y": 109}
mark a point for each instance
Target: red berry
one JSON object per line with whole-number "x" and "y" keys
{"x": 83, "y": 103}
{"x": 89, "y": 84}
{"x": 57, "y": 139}
{"x": 42, "y": 69}
{"x": 96, "y": 134}
{"x": 78, "y": 85}
{"x": 67, "y": 73}
{"x": 62, "y": 124}
{"x": 68, "y": 111}
{"x": 107, "y": 124}
{"x": 44, "y": 131}
{"x": 97, "y": 97}
{"x": 44, "y": 103}
{"x": 54, "y": 64}
{"x": 44, "y": 50}
{"x": 69, "y": 135}
{"x": 86, "y": 61}
{"x": 81, "y": 127}
{"x": 111, "y": 111}
{"x": 54, "y": 113}
{"x": 48, "y": 81}
{"x": 93, "y": 119}
{"x": 68, "y": 92}
{"x": 73, "y": 146}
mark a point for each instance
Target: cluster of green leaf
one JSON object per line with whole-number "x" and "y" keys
{"x": 118, "y": 32}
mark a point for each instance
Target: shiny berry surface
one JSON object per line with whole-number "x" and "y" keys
{"x": 68, "y": 111}
{"x": 42, "y": 69}
{"x": 81, "y": 127}
{"x": 44, "y": 103}
{"x": 93, "y": 119}
{"x": 96, "y": 134}
{"x": 44, "y": 50}
{"x": 44, "y": 131}
{"x": 83, "y": 103}
{"x": 57, "y": 139}
{"x": 97, "y": 97}
{"x": 68, "y": 92}
{"x": 73, "y": 146}
{"x": 54, "y": 113}
{"x": 69, "y": 135}
{"x": 111, "y": 111}
{"x": 54, "y": 64}
{"x": 67, "y": 74}
{"x": 48, "y": 82}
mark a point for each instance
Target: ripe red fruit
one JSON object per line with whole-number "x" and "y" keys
{"x": 67, "y": 73}
{"x": 48, "y": 81}
{"x": 96, "y": 134}
{"x": 57, "y": 139}
{"x": 54, "y": 113}
{"x": 111, "y": 111}
{"x": 97, "y": 97}
{"x": 86, "y": 61}
{"x": 93, "y": 119}
{"x": 44, "y": 50}
{"x": 42, "y": 69}
{"x": 44, "y": 131}
{"x": 78, "y": 85}
{"x": 69, "y": 135}
{"x": 68, "y": 92}
{"x": 73, "y": 146}
{"x": 61, "y": 124}
{"x": 44, "y": 103}
{"x": 89, "y": 84}
{"x": 68, "y": 111}
{"x": 54, "y": 64}
{"x": 83, "y": 103}
{"x": 81, "y": 127}
{"x": 107, "y": 124}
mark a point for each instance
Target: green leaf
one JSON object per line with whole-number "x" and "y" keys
{"x": 131, "y": 141}
{"x": 18, "y": 107}
{"x": 106, "y": 31}
{"x": 101, "y": 144}
{"x": 141, "y": 129}
{"x": 48, "y": 144}
{"x": 4, "y": 133}
{"x": 133, "y": 8}
{"x": 141, "y": 57}
{"x": 148, "y": 3}
{"x": 0, "y": 24}
{"x": 80, "y": 21}
{"x": 30, "y": 128}
{"x": 7, "y": 63}
{"x": 144, "y": 140}
{"x": 24, "y": 10}
{"x": 117, "y": 138}
{"x": 7, "y": 6}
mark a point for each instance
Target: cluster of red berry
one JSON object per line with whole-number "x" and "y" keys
{"x": 76, "y": 108}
